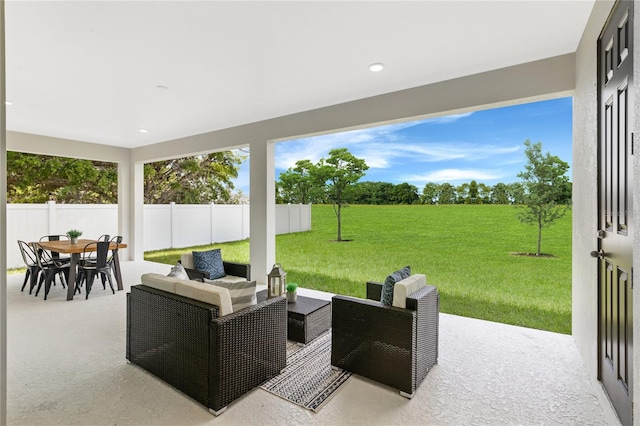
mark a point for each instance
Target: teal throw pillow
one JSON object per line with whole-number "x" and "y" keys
{"x": 386, "y": 297}
{"x": 210, "y": 262}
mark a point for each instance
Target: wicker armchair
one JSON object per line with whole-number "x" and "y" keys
{"x": 390, "y": 345}
{"x": 212, "y": 359}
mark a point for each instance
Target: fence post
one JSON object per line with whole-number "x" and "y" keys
{"x": 212, "y": 236}
{"x": 173, "y": 218}
{"x": 52, "y": 222}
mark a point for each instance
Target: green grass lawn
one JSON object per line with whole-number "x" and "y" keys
{"x": 465, "y": 251}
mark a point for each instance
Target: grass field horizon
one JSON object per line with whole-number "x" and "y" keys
{"x": 466, "y": 251}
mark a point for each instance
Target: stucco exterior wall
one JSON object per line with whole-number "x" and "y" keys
{"x": 585, "y": 146}
{"x": 585, "y": 184}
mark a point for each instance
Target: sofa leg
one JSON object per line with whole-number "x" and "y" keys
{"x": 407, "y": 395}
{"x": 217, "y": 413}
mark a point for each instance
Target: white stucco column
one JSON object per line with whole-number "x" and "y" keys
{"x": 3, "y": 226}
{"x": 136, "y": 209}
{"x": 124, "y": 206}
{"x": 262, "y": 232}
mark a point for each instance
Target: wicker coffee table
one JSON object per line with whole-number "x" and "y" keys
{"x": 306, "y": 319}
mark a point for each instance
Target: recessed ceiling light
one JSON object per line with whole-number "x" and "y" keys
{"x": 8, "y": 102}
{"x": 143, "y": 130}
{"x": 377, "y": 67}
{"x": 161, "y": 87}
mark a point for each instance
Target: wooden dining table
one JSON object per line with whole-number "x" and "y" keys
{"x": 75, "y": 250}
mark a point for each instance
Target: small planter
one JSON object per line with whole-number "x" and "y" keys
{"x": 292, "y": 296}
{"x": 74, "y": 240}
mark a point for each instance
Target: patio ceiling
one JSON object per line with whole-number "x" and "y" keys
{"x": 100, "y": 71}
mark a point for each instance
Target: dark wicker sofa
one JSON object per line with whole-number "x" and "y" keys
{"x": 211, "y": 359}
{"x": 390, "y": 345}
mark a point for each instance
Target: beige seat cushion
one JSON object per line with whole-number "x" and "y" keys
{"x": 406, "y": 287}
{"x": 213, "y": 295}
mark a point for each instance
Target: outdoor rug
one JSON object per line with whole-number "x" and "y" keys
{"x": 308, "y": 379}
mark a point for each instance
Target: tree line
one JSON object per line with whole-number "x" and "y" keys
{"x": 296, "y": 187}
{"x": 202, "y": 179}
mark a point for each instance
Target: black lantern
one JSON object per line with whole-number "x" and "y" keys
{"x": 277, "y": 281}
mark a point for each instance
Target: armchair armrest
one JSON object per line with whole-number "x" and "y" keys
{"x": 237, "y": 269}
{"x": 374, "y": 290}
{"x": 230, "y": 268}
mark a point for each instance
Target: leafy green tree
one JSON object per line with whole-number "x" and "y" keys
{"x": 447, "y": 194}
{"x": 296, "y": 186}
{"x": 430, "y": 193}
{"x": 191, "y": 180}
{"x": 404, "y": 193}
{"x": 472, "y": 197}
{"x": 35, "y": 178}
{"x": 484, "y": 193}
{"x": 500, "y": 194}
{"x": 462, "y": 193}
{"x": 516, "y": 193}
{"x": 337, "y": 173}
{"x": 543, "y": 180}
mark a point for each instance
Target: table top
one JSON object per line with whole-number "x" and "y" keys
{"x": 306, "y": 305}
{"x": 65, "y": 246}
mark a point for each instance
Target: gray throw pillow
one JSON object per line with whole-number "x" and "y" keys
{"x": 179, "y": 272}
{"x": 386, "y": 297}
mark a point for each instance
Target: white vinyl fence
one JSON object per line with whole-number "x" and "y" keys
{"x": 165, "y": 226}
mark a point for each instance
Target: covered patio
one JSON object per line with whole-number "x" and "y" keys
{"x": 62, "y": 362}
{"x": 488, "y": 373}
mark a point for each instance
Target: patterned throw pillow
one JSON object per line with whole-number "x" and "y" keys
{"x": 209, "y": 261}
{"x": 386, "y": 297}
{"x": 178, "y": 272}
{"x": 243, "y": 293}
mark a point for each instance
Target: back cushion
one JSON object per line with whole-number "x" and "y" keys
{"x": 206, "y": 293}
{"x": 160, "y": 282}
{"x": 187, "y": 260}
{"x": 192, "y": 289}
{"x": 406, "y": 287}
{"x": 243, "y": 293}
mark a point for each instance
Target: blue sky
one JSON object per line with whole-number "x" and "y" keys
{"x": 486, "y": 146}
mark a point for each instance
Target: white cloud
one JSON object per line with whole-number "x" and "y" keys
{"x": 450, "y": 118}
{"x": 455, "y": 175}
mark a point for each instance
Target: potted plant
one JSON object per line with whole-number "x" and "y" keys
{"x": 292, "y": 293}
{"x": 73, "y": 235}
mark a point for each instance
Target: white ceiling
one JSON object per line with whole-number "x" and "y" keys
{"x": 90, "y": 70}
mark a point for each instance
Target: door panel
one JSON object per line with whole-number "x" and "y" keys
{"x": 615, "y": 327}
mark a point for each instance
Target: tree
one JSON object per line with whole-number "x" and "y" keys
{"x": 404, "y": 193}
{"x": 500, "y": 194}
{"x": 430, "y": 193}
{"x": 34, "y": 178}
{"x": 337, "y": 173}
{"x": 296, "y": 185}
{"x": 543, "y": 180}
{"x": 447, "y": 194}
{"x": 191, "y": 180}
{"x": 472, "y": 197}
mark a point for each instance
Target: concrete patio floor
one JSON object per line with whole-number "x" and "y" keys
{"x": 67, "y": 366}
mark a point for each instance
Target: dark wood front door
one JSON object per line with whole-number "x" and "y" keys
{"x": 615, "y": 230}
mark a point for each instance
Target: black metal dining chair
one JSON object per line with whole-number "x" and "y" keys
{"x": 49, "y": 268}
{"x": 30, "y": 258}
{"x": 90, "y": 266}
